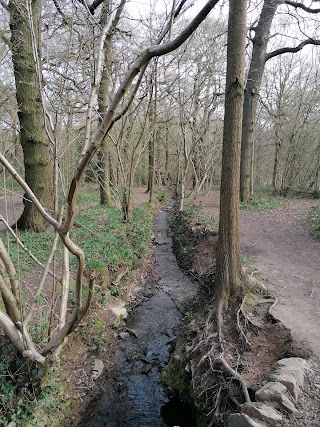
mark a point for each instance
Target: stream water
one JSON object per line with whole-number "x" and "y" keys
{"x": 137, "y": 398}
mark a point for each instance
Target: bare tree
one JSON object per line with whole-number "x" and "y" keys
{"x": 258, "y": 61}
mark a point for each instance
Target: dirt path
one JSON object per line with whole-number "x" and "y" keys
{"x": 288, "y": 256}
{"x": 11, "y": 208}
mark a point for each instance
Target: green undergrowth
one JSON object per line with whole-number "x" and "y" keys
{"x": 25, "y": 405}
{"x": 107, "y": 240}
{"x": 262, "y": 199}
{"x": 110, "y": 244}
{"x": 313, "y": 220}
{"x": 189, "y": 227}
{"x": 162, "y": 196}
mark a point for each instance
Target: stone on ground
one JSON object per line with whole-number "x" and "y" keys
{"x": 276, "y": 392}
{"x": 289, "y": 381}
{"x": 120, "y": 312}
{"x": 263, "y": 412}
{"x": 294, "y": 366}
{"x": 97, "y": 369}
{"x": 242, "y": 420}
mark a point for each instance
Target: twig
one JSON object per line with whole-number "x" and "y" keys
{"x": 27, "y": 251}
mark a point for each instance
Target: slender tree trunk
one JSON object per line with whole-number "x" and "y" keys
{"x": 275, "y": 164}
{"x": 317, "y": 177}
{"x": 151, "y": 166}
{"x": 152, "y": 140}
{"x": 252, "y": 89}
{"x": 166, "y": 165}
{"x": 33, "y": 138}
{"x": 228, "y": 251}
{"x": 103, "y": 154}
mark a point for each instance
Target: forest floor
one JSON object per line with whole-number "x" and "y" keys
{"x": 288, "y": 258}
{"x": 281, "y": 248}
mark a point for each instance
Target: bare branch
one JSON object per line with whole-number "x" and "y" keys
{"x": 5, "y": 39}
{"x": 29, "y": 192}
{"x": 4, "y": 5}
{"x": 60, "y": 11}
{"x": 12, "y": 332}
{"x": 23, "y": 246}
{"x": 46, "y": 271}
{"x": 295, "y": 49}
{"x": 94, "y": 6}
{"x": 9, "y": 267}
{"x": 301, "y": 6}
{"x": 91, "y": 8}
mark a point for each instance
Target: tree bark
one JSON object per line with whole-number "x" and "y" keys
{"x": 152, "y": 125}
{"x": 228, "y": 251}
{"x": 103, "y": 95}
{"x": 276, "y": 159}
{"x": 251, "y": 94}
{"x": 37, "y": 158}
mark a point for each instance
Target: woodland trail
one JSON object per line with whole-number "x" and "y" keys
{"x": 288, "y": 257}
{"x": 285, "y": 252}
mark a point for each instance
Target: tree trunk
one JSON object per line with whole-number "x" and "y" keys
{"x": 151, "y": 145}
{"x": 251, "y": 94}
{"x": 33, "y": 138}
{"x": 275, "y": 163}
{"x": 103, "y": 154}
{"x": 151, "y": 167}
{"x": 228, "y": 251}
{"x": 152, "y": 140}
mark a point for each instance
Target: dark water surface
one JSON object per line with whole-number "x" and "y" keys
{"x": 136, "y": 398}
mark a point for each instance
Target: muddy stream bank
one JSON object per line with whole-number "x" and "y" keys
{"x": 135, "y": 396}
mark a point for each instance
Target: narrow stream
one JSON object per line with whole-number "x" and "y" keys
{"x": 137, "y": 399}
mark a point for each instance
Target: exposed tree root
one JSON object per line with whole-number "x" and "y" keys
{"x": 236, "y": 375}
{"x": 241, "y": 313}
{"x": 275, "y": 302}
{"x": 218, "y": 387}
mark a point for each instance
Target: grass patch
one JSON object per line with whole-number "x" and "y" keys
{"x": 162, "y": 196}
{"x": 313, "y": 220}
{"x": 112, "y": 241}
{"x": 198, "y": 216}
{"x": 246, "y": 260}
{"x": 107, "y": 240}
{"x": 262, "y": 199}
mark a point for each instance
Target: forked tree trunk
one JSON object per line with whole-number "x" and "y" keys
{"x": 253, "y": 84}
{"x": 33, "y": 138}
{"x": 228, "y": 251}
